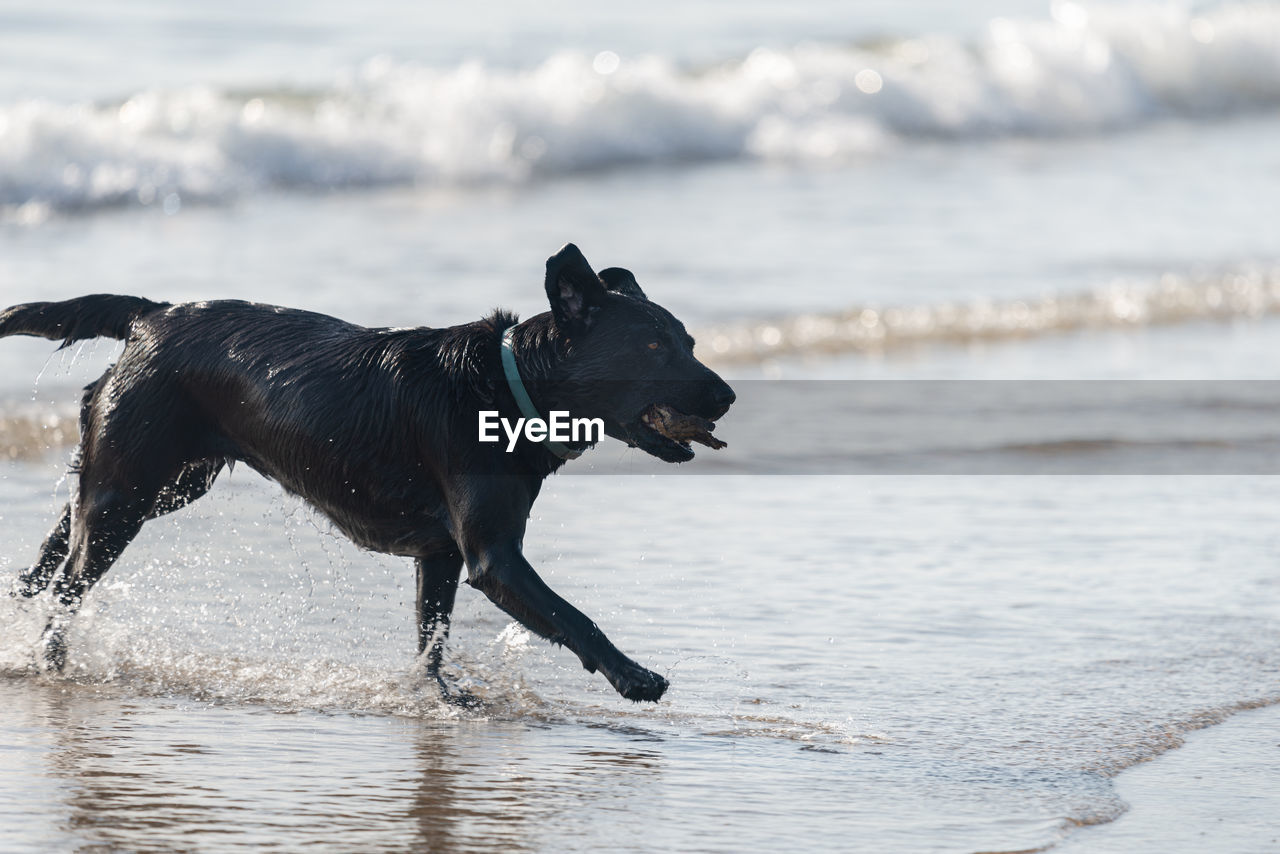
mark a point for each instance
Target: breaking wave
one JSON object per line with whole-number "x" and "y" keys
{"x": 387, "y": 124}
{"x": 1172, "y": 299}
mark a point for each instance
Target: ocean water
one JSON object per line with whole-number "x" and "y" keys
{"x": 912, "y": 628}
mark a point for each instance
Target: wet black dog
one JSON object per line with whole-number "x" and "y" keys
{"x": 377, "y": 428}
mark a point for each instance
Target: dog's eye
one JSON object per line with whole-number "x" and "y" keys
{"x": 655, "y": 345}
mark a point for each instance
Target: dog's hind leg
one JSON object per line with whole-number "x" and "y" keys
{"x": 52, "y": 553}
{"x": 194, "y": 482}
{"x": 54, "y": 549}
{"x": 106, "y": 520}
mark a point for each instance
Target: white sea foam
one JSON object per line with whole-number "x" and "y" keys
{"x": 1082, "y": 71}
{"x": 1171, "y": 299}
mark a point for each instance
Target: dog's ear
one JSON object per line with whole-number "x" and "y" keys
{"x": 621, "y": 281}
{"x": 573, "y": 289}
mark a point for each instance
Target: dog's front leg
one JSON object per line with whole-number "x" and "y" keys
{"x": 437, "y": 587}
{"x": 503, "y": 574}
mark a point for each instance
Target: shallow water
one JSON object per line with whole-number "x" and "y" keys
{"x": 895, "y": 661}
{"x": 1223, "y": 783}
{"x": 978, "y": 653}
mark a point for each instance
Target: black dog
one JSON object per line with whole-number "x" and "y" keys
{"x": 376, "y": 428}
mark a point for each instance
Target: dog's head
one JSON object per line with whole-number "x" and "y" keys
{"x": 629, "y": 361}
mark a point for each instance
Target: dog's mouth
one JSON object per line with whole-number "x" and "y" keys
{"x": 667, "y": 433}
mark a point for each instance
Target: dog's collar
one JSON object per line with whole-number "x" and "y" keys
{"x": 518, "y": 391}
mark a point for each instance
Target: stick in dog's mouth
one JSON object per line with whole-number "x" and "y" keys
{"x": 678, "y": 427}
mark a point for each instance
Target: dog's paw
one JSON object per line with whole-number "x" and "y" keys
{"x": 25, "y": 585}
{"x": 454, "y": 696}
{"x": 51, "y": 654}
{"x": 464, "y": 700}
{"x": 638, "y": 684}
{"x": 460, "y": 697}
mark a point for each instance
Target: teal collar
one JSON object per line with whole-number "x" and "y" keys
{"x": 518, "y": 391}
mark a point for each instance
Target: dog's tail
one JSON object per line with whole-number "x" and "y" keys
{"x": 94, "y": 316}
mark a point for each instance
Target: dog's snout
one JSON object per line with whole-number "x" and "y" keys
{"x": 722, "y": 398}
